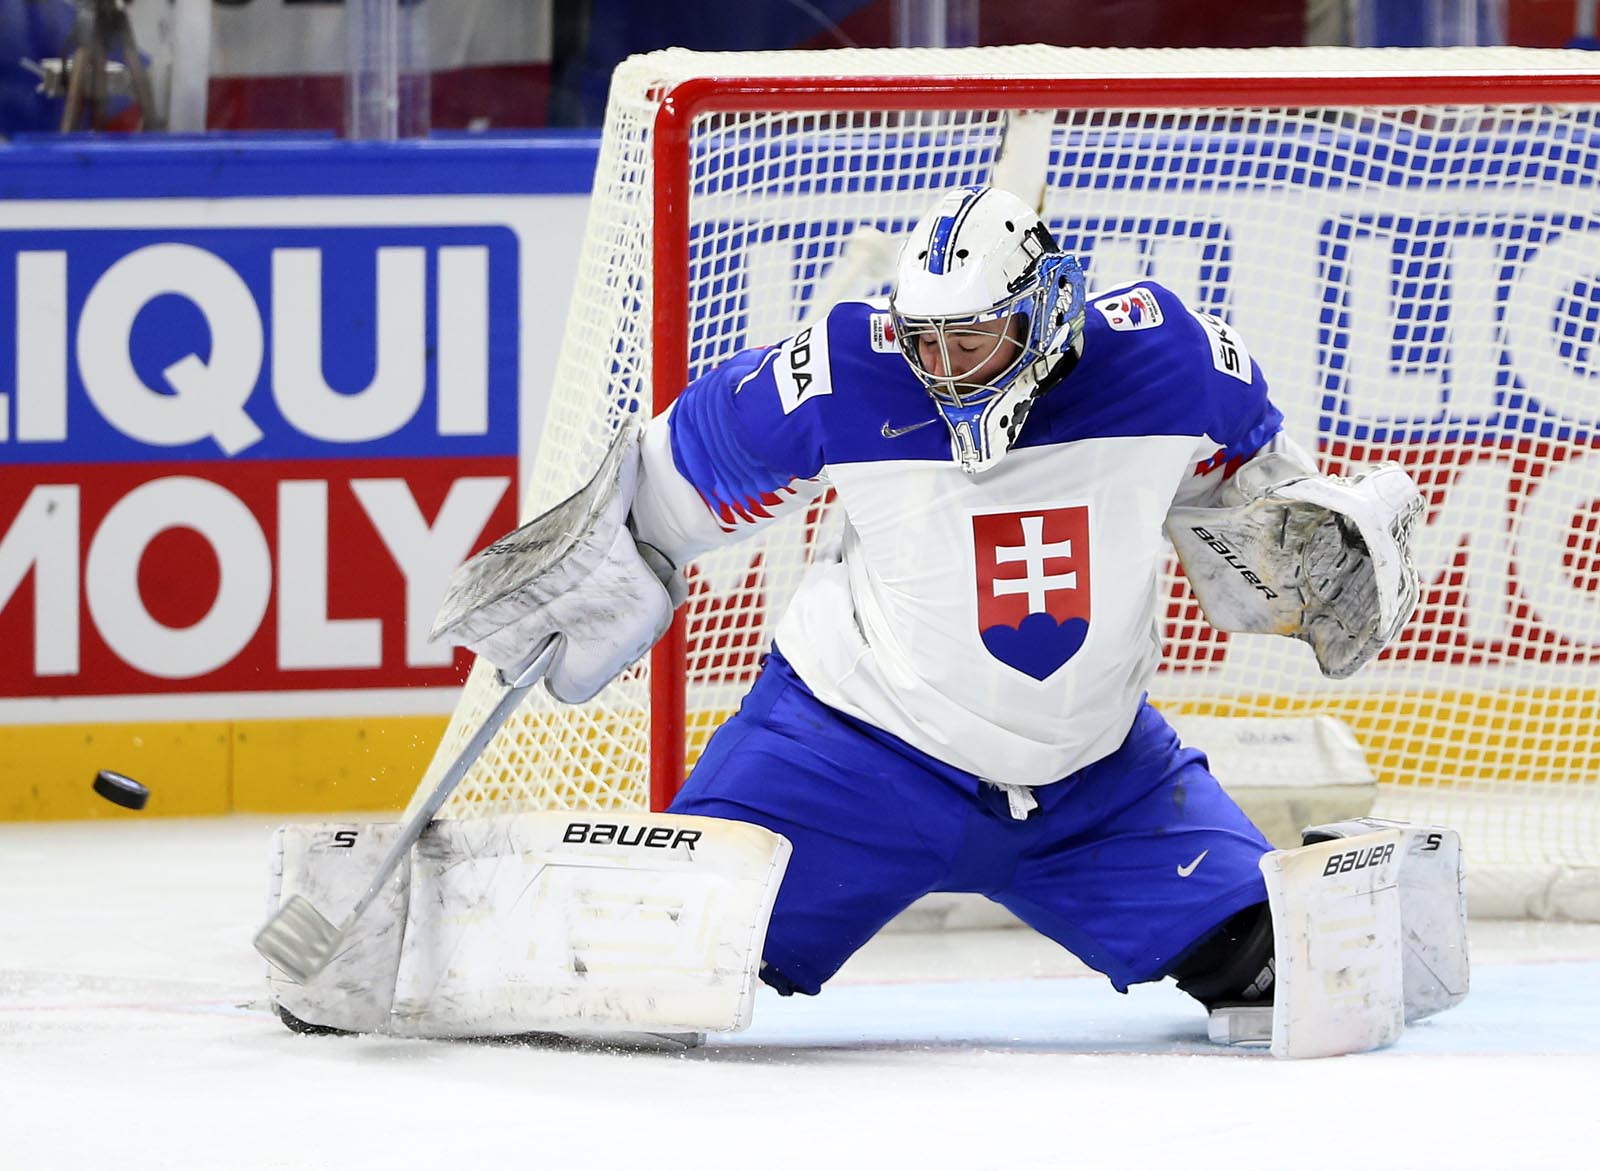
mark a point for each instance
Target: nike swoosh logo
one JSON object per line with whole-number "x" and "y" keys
{"x": 1185, "y": 871}
{"x": 889, "y": 432}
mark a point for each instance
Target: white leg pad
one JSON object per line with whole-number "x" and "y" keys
{"x": 331, "y": 865}
{"x": 603, "y": 922}
{"x": 1337, "y": 941}
{"x": 1433, "y": 912}
{"x": 573, "y": 923}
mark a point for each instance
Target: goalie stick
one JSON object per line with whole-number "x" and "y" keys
{"x": 561, "y": 583}
{"x": 299, "y": 940}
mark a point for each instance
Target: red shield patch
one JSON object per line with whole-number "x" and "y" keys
{"x": 1033, "y": 586}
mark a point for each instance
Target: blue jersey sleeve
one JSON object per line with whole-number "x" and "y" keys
{"x": 1240, "y": 414}
{"x": 748, "y": 435}
{"x": 1221, "y": 389}
{"x": 1149, "y": 366}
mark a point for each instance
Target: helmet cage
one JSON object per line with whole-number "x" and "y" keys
{"x": 958, "y": 389}
{"x": 985, "y": 417}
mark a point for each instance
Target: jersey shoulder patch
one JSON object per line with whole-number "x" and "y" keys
{"x": 1228, "y": 353}
{"x": 880, "y": 333}
{"x": 1130, "y": 310}
{"x": 801, "y": 368}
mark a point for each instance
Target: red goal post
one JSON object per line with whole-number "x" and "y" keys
{"x": 1371, "y": 221}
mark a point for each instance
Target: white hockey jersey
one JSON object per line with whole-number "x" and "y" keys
{"x": 1004, "y": 623}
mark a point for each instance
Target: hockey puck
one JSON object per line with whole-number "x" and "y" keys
{"x": 120, "y": 790}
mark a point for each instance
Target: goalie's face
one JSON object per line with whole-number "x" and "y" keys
{"x": 987, "y": 311}
{"x": 962, "y": 358}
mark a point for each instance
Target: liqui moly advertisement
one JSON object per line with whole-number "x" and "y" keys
{"x": 246, "y": 441}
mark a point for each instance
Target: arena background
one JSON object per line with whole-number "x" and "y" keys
{"x": 226, "y": 603}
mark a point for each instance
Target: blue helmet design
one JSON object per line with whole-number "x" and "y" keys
{"x": 989, "y": 313}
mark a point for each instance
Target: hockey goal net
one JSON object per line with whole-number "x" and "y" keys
{"x": 1408, "y": 240}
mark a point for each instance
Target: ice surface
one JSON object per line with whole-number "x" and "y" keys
{"x": 133, "y": 1034}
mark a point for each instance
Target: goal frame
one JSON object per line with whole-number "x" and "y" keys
{"x": 688, "y": 100}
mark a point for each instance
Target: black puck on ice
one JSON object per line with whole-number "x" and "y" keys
{"x": 120, "y": 790}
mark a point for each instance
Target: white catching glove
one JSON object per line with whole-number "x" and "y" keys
{"x": 576, "y": 572}
{"x": 1325, "y": 559}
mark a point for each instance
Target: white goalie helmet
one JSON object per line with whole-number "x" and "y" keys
{"x": 989, "y": 312}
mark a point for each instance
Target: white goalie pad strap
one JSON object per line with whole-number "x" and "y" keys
{"x": 1433, "y": 911}
{"x": 568, "y": 923}
{"x": 574, "y": 571}
{"x": 1336, "y": 938}
{"x": 1319, "y": 558}
{"x": 331, "y": 865}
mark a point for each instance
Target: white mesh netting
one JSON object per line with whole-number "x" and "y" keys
{"x": 1419, "y": 283}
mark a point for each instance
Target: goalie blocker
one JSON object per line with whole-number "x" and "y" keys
{"x": 609, "y": 925}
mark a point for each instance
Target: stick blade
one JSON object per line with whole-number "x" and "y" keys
{"x": 298, "y": 940}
